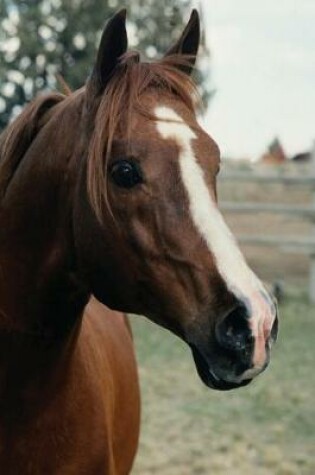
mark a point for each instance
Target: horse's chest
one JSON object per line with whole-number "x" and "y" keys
{"x": 60, "y": 441}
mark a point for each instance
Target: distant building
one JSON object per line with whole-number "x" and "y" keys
{"x": 275, "y": 154}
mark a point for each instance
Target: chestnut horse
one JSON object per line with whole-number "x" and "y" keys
{"x": 110, "y": 192}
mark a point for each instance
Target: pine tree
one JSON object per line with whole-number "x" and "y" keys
{"x": 39, "y": 38}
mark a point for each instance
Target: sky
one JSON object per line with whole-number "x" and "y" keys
{"x": 263, "y": 70}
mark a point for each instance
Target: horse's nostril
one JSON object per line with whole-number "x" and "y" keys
{"x": 274, "y": 330}
{"x": 233, "y": 332}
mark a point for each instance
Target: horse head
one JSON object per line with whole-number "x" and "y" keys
{"x": 149, "y": 238}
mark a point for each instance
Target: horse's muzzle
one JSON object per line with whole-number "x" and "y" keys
{"x": 234, "y": 356}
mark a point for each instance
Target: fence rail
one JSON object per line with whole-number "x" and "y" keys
{"x": 253, "y": 207}
{"x": 269, "y": 178}
{"x": 288, "y": 244}
{"x": 285, "y": 243}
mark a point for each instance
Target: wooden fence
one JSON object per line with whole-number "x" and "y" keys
{"x": 285, "y": 243}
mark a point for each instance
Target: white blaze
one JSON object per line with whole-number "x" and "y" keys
{"x": 204, "y": 212}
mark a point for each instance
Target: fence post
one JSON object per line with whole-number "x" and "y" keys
{"x": 312, "y": 256}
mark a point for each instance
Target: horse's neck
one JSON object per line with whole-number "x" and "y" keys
{"x": 32, "y": 371}
{"x": 40, "y": 296}
{"x": 36, "y": 249}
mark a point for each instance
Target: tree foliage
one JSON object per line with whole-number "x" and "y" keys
{"x": 39, "y": 38}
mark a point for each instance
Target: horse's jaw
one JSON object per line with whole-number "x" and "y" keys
{"x": 210, "y": 378}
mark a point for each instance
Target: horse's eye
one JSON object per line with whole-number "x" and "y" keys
{"x": 126, "y": 173}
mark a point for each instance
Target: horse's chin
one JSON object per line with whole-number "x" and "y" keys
{"x": 209, "y": 378}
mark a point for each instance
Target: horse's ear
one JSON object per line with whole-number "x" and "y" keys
{"x": 188, "y": 43}
{"x": 113, "y": 44}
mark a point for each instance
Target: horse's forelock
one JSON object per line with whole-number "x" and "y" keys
{"x": 121, "y": 98}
